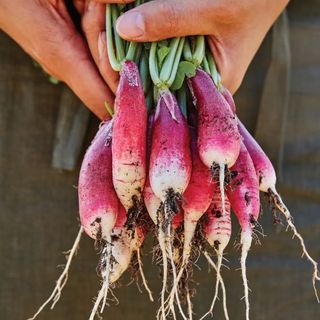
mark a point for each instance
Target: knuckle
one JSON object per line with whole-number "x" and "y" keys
{"x": 169, "y": 11}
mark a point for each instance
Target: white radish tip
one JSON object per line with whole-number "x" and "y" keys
{"x": 219, "y": 242}
{"x": 100, "y": 226}
{"x": 121, "y": 253}
{"x": 246, "y": 240}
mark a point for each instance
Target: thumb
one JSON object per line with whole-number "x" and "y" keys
{"x": 161, "y": 19}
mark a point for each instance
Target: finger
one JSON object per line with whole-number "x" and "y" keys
{"x": 93, "y": 25}
{"x": 79, "y": 5}
{"x": 161, "y": 19}
{"x": 72, "y": 63}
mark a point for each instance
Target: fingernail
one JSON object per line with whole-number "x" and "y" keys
{"x": 131, "y": 25}
{"x": 102, "y": 44}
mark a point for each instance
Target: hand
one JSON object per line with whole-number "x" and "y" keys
{"x": 235, "y": 28}
{"x": 44, "y": 29}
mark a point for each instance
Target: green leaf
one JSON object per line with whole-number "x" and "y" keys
{"x": 162, "y": 53}
{"x": 185, "y": 69}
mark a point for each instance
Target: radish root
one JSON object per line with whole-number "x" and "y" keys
{"x": 62, "y": 281}
{"x": 105, "y": 265}
{"x": 223, "y": 288}
{"x": 144, "y": 281}
{"x": 246, "y": 240}
{"x": 278, "y": 203}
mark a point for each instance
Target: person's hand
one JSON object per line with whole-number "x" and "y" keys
{"x": 44, "y": 29}
{"x": 236, "y": 28}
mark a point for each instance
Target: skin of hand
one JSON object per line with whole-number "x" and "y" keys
{"x": 45, "y": 30}
{"x": 235, "y": 28}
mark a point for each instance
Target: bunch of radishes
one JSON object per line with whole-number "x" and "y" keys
{"x": 184, "y": 157}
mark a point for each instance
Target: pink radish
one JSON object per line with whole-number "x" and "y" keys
{"x": 217, "y": 230}
{"x": 243, "y": 193}
{"x": 195, "y": 201}
{"x": 170, "y": 160}
{"x": 267, "y": 183}
{"x": 169, "y": 170}
{"x": 129, "y": 142}
{"x": 218, "y": 136}
{"x": 98, "y": 202}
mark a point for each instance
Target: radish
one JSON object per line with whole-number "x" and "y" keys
{"x": 217, "y": 230}
{"x": 129, "y": 142}
{"x": 243, "y": 193}
{"x": 195, "y": 201}
{"x": 98, "y": 202}
{"x": 218, "y": 136}
{"x": 170, "y": 159}
{"x": 267, "y": 183}
{"x": 169, "y": 171}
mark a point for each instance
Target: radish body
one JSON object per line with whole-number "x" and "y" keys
{"x": 263, "y": 166}
{"x": 217, "y": 231}
{"x": 121, "y": 250}
{"x": 170, "y": 160}
{"x": 243, "y": 194}
{"x": 169, "y": 173}
{"x": 195, "y": 201}
{"x": 218, "y": 135}
{"x": 218, "y": 227}
{"x": 129, "y": 142}
{"x": 197, "y": 197}
{"x": 98, "y": 202}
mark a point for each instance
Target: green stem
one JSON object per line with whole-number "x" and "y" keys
{"x": 153, "y": 65}
{"x": 110, "y": 46}
{"x": 187, "y": 54}
{"x": 118, "y": 40}
{"x": 206, "y": 65}
{"x": 166, "y": 69}
{"x": 137, "y": 55}
{"x": 199, "y": 51}
{"x": 213, "y": 70}
{"x": 176, "y": 63}
{"x": 109, "y": 109}
{"x": 144, "y": 73}
{"x": 131, "y": 51}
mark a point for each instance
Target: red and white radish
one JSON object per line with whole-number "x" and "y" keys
{"x": 243, "y": 193}
{"x": 267, "y": 183}
{"x": 98, "y": 202}
{"x": 195, "y": 201}
{"x": 169, "y": 170}
{"x": 217, "y": 230}
{"x": 170, "y": 159}
{"x": 129, "y": 141}
{"x": 218, "y": 136}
